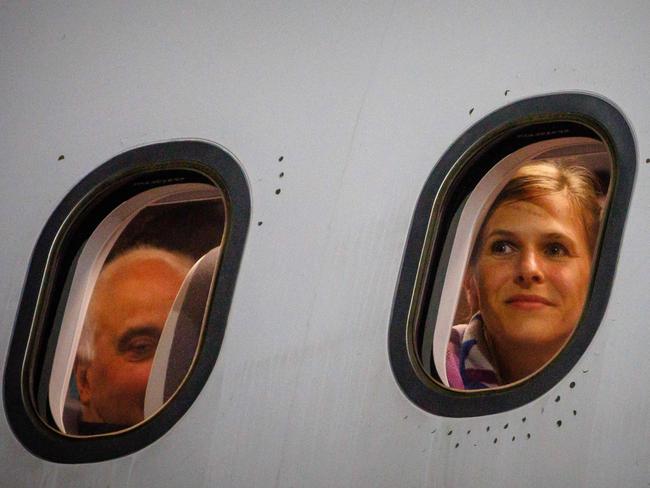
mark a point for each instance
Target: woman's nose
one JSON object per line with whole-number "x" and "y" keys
{"x": 529, "y": 271}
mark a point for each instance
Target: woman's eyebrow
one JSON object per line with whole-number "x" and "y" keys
{"x": 548, "y": 235}
{"x": 558, "y": 235}
{"x": 566, "y": 238}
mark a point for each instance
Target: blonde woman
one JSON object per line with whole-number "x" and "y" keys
{"x": 528, "y": 276}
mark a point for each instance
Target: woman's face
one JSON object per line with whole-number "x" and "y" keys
{"x": 532, "y": 271}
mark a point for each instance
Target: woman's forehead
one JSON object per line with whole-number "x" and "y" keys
{"x": 552, "y": 214}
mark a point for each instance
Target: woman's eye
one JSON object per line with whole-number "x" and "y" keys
{"x": 501, "y": 247}
{"x": 556, "y": 250}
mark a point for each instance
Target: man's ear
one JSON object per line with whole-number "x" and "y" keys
{"x": 83, "y": 385}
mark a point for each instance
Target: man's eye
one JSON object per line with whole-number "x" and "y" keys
{"x": 556, "y": 249}
{"x": 502, "y": 247}
{"x": 141, "y": 348}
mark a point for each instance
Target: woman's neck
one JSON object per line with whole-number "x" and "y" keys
{"x": 515, "y": 361}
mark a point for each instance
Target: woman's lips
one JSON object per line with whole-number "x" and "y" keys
{"x": 528, "y": 302}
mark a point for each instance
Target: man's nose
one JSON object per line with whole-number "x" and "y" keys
{"x": 529, "y": 270}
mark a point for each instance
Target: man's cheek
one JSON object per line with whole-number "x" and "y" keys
{"x": 134, "y": 378}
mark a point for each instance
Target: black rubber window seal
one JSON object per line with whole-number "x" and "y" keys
{"x": 451, "y": 179}
{"x": 71, "y": 222}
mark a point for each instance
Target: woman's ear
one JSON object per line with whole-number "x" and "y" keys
{"x": 471, "y": 290}
{"x": 83, "y": 386}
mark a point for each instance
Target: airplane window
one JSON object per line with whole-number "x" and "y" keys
{"x": 126, "y": 301}
{"x": 520, "y": 265}
{"x": 510, "y": 255}
{"x": 128, "y": 292}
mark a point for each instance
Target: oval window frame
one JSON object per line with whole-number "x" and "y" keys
{"x": 425, "y": 233}
{"x": 34, "y": 336}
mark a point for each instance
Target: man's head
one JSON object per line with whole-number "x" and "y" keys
{"x": 130, "y": 303}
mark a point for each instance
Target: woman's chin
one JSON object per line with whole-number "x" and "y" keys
{"x": 529, "y": 306}
{"x": 534, "y": 330}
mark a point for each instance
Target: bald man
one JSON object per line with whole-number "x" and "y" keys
{"x": 130, "y": 303}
